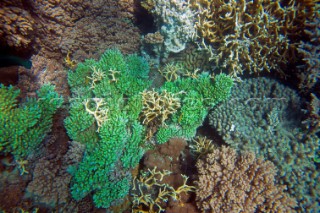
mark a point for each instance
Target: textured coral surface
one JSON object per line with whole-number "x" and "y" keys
{"x": 231, "y": 183}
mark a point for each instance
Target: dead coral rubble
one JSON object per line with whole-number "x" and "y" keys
{"x": 239, "y": 183}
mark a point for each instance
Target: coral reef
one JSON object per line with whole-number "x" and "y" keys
{"x": 174, "y": 20}
{"x": 264, "y": 116}
{"x": 59, "y": 29}
{"x": 231, "y": 183}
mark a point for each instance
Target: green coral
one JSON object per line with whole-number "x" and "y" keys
{"x": 198, "y": 95}
{"x": 24, "y": 125}
{"x": 104, "y": 115}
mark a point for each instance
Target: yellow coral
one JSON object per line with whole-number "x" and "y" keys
{"x": 157, "y": 107}
{"x": 172, "y": 71}
{"x": 100, "y": 115}
{"x": 202, "y": 146}
{"x": 150, "y": 182}
{"x": 96, "y": 76}
{"x": 244, "y": 35}
{"x": 148, "y": 4}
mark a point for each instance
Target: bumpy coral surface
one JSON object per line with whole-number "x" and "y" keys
{"x": 231, "y": 183}
{"x": 16, "y": 26}
{"x": 85, "y": 28}
{"x": 264, "y": 116}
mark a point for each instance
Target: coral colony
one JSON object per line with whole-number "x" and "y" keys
{"x": 160, "y": 106}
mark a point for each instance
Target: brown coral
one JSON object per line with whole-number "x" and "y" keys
{"x": 85, "y": 28}
{"x": 154, "y": 38}
{"x": 239, "y": 183}
{"x": 50, "y": 184}
{"x": 16, "y": 27}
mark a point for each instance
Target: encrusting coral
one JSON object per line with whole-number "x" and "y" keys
{"x": 239, "y": 183}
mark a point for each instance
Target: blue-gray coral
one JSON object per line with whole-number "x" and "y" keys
{"x": 264, "y": 116}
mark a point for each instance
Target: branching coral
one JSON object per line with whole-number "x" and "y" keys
{"x": 250, "y": 36}
{"x": 25, "y": 125}
{"x": 310, "y": 75}
{"x": 201, "y": 146}
{"x": 231, "y": 183}
{"x": 100, "y": 114}
{"x": 104, "y": 117}
{"x": 157, "y": 107}
{"x": 149, "y": 191}
{"x": 172, "y": 71}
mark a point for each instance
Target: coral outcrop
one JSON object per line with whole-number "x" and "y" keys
{"x": 239, "y": 183}
{"x": 264, "y": 116}
{"x": 174, "y": 20}
{"x": 84, "y": 28}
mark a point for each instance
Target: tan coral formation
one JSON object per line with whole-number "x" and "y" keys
{"x": 50, "y": 183}
{"x": 239, "y": 183}
{"x": 157, "y": 107}
{"x": 154, "y": 38}
{"x": 251, "y": 36}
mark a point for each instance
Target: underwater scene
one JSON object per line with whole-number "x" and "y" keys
{"x": 153, "y": 106}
